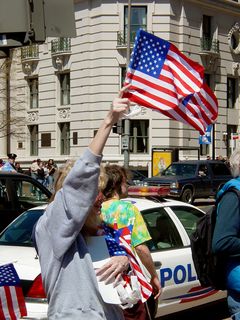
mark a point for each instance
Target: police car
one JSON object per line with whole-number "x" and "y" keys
{"x": 169, "y": 222}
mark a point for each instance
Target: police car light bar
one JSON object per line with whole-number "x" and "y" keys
{"x": 148, "y": 191}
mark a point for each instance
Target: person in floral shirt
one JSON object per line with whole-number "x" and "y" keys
{"x": 123, "y": 215}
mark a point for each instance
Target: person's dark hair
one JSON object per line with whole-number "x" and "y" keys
{"x": 115, "y": 177}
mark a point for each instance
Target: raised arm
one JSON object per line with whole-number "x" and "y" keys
{"x": 66, "y": 214}
{"x": 118, "y": 108}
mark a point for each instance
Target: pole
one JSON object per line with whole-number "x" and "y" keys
{"x": 8, "y": 115}
{"x": 213, "y": 142}
{"x": 126, "y": 133}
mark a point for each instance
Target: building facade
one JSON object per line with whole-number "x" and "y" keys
{"x": 64, "y": 87}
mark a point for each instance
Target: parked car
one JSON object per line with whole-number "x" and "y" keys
{"x": 169, "y": 222}
{"x": 189, "y": 180}
{"x": 136, "y": 177}
{"x": 19, "y": 192}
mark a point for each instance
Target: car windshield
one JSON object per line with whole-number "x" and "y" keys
{"x": 19, "y": 232}
{"x": 180, "y": 169}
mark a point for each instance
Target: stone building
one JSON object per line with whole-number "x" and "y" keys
{"x": 64, "y": 87}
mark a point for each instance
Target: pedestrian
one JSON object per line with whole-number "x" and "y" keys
{"x": 52, "y": 169}
{"x": 121, "y": 214}
{"x": 18, "y": 167}
{"x": 67, "y": 271}
{"x": 226, "y": 237}
{"x": 10, "y": 163}
{"x": 34, "y": 168}
{"x": 40, "y": 172}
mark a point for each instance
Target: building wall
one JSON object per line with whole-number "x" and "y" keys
{"x": 95, "y": 75}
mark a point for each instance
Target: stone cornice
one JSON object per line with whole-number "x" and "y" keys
{"x": 219, "y": 5}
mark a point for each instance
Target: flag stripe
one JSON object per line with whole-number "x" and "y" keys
{"x": 10, "y": 303}
{"x": 189, "y": 80}
{"x": 2, "y": 316}
{"x": 147, "y": 100}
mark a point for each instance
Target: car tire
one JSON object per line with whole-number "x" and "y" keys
{"x": 187, "y": 195}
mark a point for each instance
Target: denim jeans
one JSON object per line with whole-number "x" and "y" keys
{"x": 233, "y": 300}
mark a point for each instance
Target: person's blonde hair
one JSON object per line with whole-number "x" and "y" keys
{"x": 92, "y": 222}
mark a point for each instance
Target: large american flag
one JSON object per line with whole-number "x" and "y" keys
{"x": 162, "y": 78}
{"x": 12, "y": 304}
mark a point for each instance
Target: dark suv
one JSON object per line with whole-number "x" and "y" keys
{"x": 19, "y": 192}
{"x": 189, "y": 180}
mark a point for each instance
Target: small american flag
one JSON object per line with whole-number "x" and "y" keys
{"x": 12, "y": 304}
{"x": 123, "y": 237}
{"x": 164, "y": 79}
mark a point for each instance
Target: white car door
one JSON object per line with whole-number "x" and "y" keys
{"x": 172, "y": 257}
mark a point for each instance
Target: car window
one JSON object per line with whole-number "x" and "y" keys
{"x": 162, "y": 230}
{"x": 29, "y": 195}
{"x": 188, "y": 217}
{"x": 19, "y": 231}
{"x": 220, "y": 169}
{"x": 180, "y": 169}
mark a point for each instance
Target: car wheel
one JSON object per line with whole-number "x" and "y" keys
{"x": 187, "y": 196}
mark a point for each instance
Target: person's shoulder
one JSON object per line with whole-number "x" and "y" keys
{"x": 230, "y": 197}
{"x": 128, "y": 204}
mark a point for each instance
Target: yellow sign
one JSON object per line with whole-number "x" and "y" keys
{"x": 160, "y": 161}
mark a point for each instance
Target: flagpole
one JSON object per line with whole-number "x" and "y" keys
{"x": 126, "y": 133}
{"x": 213, "y": 141}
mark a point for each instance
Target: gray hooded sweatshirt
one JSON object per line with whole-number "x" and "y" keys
{"x": 67, "y": 271}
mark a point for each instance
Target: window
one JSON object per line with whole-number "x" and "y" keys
{"x": 64, "y": 138}
{"x": 204, "y": 149}
{"x": 207, "y": 32}
{"x": 33, "y": 130}
{"x": 64, "y": 79}
{"x": 75, "y": 138}
{"x": 46, "y": 140}
{"x": 138, "y": 20}
{"x": 123, "y": 75}
{"x": 231, "y": 129}
{"x": 162, "y": 230}
{"x": 188, "y": 217}
{"x": 219, "y": 169}
{"x": 231, "y": 92}
{"x": 33, "y": 91}
{"x": 139, "y": 136}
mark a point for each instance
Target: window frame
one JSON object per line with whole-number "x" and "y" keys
{"x": 64, "y": 128}
{"x": 232, "y": 100}
{"x": 64, "y": 88}
{"x": 34, "y": 137}
{"x": 133, "y": 27}
{"x": 33, "y": 82}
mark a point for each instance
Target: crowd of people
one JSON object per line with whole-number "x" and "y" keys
{"x": 42, "y": 171}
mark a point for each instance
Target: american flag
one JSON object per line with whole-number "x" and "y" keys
{"x": 162, "y": 78}
{"x": 123, "y": 237}
{"x": 12, "y": 304}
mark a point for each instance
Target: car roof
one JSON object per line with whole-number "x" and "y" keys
{"x": 198, "y": 161}
{"x": 144, "y": 204}
{"x": 140, "y": 203}
{"x": 12, "y": 174}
